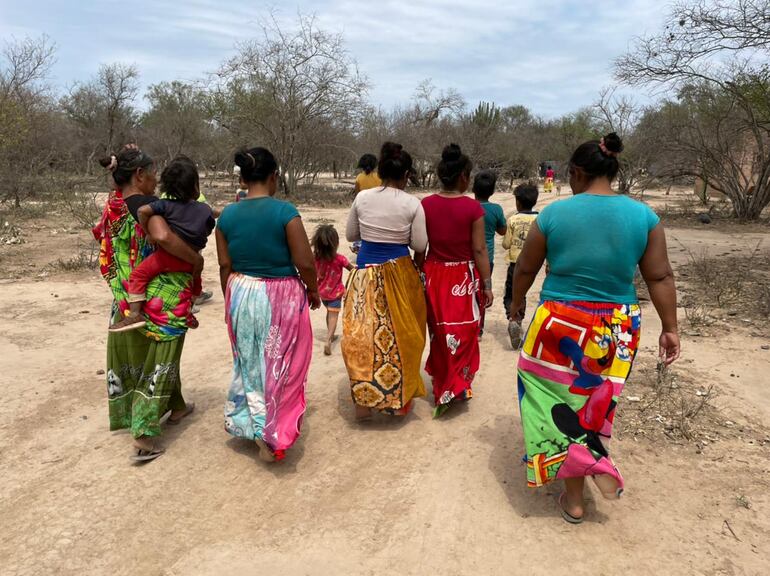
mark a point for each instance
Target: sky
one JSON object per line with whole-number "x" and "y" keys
{"x": 553, "y": 56}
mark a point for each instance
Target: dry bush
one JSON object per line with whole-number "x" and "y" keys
{"x": 662, "y": 404}
{"x": 86, "y": 258}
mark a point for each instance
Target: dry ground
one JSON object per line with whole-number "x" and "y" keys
{"x": 393, "y": 497}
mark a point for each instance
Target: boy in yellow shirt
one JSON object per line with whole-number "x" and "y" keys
{"x": 518, "y": 228}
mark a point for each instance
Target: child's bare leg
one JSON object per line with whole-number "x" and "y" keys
{"x": 331, "y": 326}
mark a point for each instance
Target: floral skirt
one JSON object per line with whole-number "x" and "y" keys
{"x": 268, "y": 321}
{"x": 383, "y": 334}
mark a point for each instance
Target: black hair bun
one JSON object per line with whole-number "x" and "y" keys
{"x": 391, "y": 151}
{"x": 244, "y": 160}
{"x": 105, "y": 162}
{"x": 613, "y": 143}
{"x": 451, "y": 153}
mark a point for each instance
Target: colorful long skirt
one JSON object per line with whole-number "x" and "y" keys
{"x": 383, "y": 335}
{"x": 453, "y": 320}
{"x": 143, "y": 381}
{"x": 574, "y": 363}
{"x": 548, "y": 185}
{"x": 268, "y": 321}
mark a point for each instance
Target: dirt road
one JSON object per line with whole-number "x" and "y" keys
{"x": 413, "y": 496}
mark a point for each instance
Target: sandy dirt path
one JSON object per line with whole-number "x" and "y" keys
{"x": 413, "y": 496}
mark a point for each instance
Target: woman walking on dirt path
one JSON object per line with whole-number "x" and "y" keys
{"x": 584, "y": 337}
{"x": 143, "y": 380}
{"x": 456, "y": 269}
{"x": 383, "y": 321}
{"x": 269, "y": 281}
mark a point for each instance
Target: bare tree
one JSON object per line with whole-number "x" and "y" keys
{"x": 717, "y": 51}
{"x": 102, "y": 112}
{"x": 177, "y": 121}
{"x": 25, "y": 113}
{"x": 620, "y": 114}
{"x": 284, "y": 88}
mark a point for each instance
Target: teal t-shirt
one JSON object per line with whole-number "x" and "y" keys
{"x": 494, "y": 218}
{"x": 593, "y": 246}
{"x": 255, "y": 230}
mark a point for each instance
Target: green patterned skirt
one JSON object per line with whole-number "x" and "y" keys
{"x": 143, "y": 381}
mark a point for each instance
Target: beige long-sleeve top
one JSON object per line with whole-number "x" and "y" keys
{"x": 387, "y": 215}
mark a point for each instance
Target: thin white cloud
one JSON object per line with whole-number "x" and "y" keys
{"x": 551, "y": 55}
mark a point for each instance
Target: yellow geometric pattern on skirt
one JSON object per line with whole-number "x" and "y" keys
{"x": 383, "y": 334}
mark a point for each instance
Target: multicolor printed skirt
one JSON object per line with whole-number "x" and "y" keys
{"x": 572, "y": 369}
{"x": 383, "y": 334}
{"x": 453, "y": 320}
{"x": 268, "y": 320}
{"x": 143, "y": 381}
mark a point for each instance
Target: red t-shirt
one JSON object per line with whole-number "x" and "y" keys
{"x": 330, "y": 285}
{"x": 449, "y": 222}
{"x": 549, "y": 174}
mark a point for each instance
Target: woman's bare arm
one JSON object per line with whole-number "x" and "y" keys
{"x": 481, "y": 258}
{"x": 528, "y": 264}
{"x": 302, "y": 257}
{"x": 225, "y": 262}
{"x": 159, "y": 231}
{"x": 659, "y": 277}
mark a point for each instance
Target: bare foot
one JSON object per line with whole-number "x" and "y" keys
{"x": 128, "y": 323}
{"x": 328, "y": 349}
{"x": 572, "y": 512}
{"x": 363, "y": 413}
{"x": 265, "y": 453}
{"x": 178, "y": 415}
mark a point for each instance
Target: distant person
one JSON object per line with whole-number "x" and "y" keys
{"x": 329, "y": 265}
{"x": 368, "y": 177}
{"x": 515, "y": 236}
{"x": 456, "y": 268}
{"x": 143, "y": 379}
{"x": 494, "y": 219}
{"x": 383, "y": 318}
{"x": 584, "y": 336}
{"x": 269, "y": 280}
{"x": 189, "y": 219}
{"x": 549, "y": 175}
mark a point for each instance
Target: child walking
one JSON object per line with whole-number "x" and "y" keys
{"x": 494, "y": 220}
{"x": 329, "y": 265}
{"x": 515, "y": 235}
{"x": 189, "y": 219}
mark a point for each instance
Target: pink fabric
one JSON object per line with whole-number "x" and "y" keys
{"x": 580, "y": 462}
{"x": 329, "y": 272}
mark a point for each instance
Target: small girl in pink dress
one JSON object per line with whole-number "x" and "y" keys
{"x": 329, "y": 265}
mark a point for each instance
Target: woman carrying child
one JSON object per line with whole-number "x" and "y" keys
{"x": 329, "y": 265}
{"x": 143, "y": 378}
{"x": 189, "y": 219}
{"x": 269, "y": 281}
{"x": 456, "y": 266}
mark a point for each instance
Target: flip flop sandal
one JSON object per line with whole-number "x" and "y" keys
{"x": 439, "y": 410}
{"x": 177, "y": 421}
{"x": 147, "y": 455}
{"x": 566, "y": 515}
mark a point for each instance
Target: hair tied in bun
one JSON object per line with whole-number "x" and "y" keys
{"x": 605, "y": 150}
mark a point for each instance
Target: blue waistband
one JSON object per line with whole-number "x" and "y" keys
{"x": 379, "y": 253}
